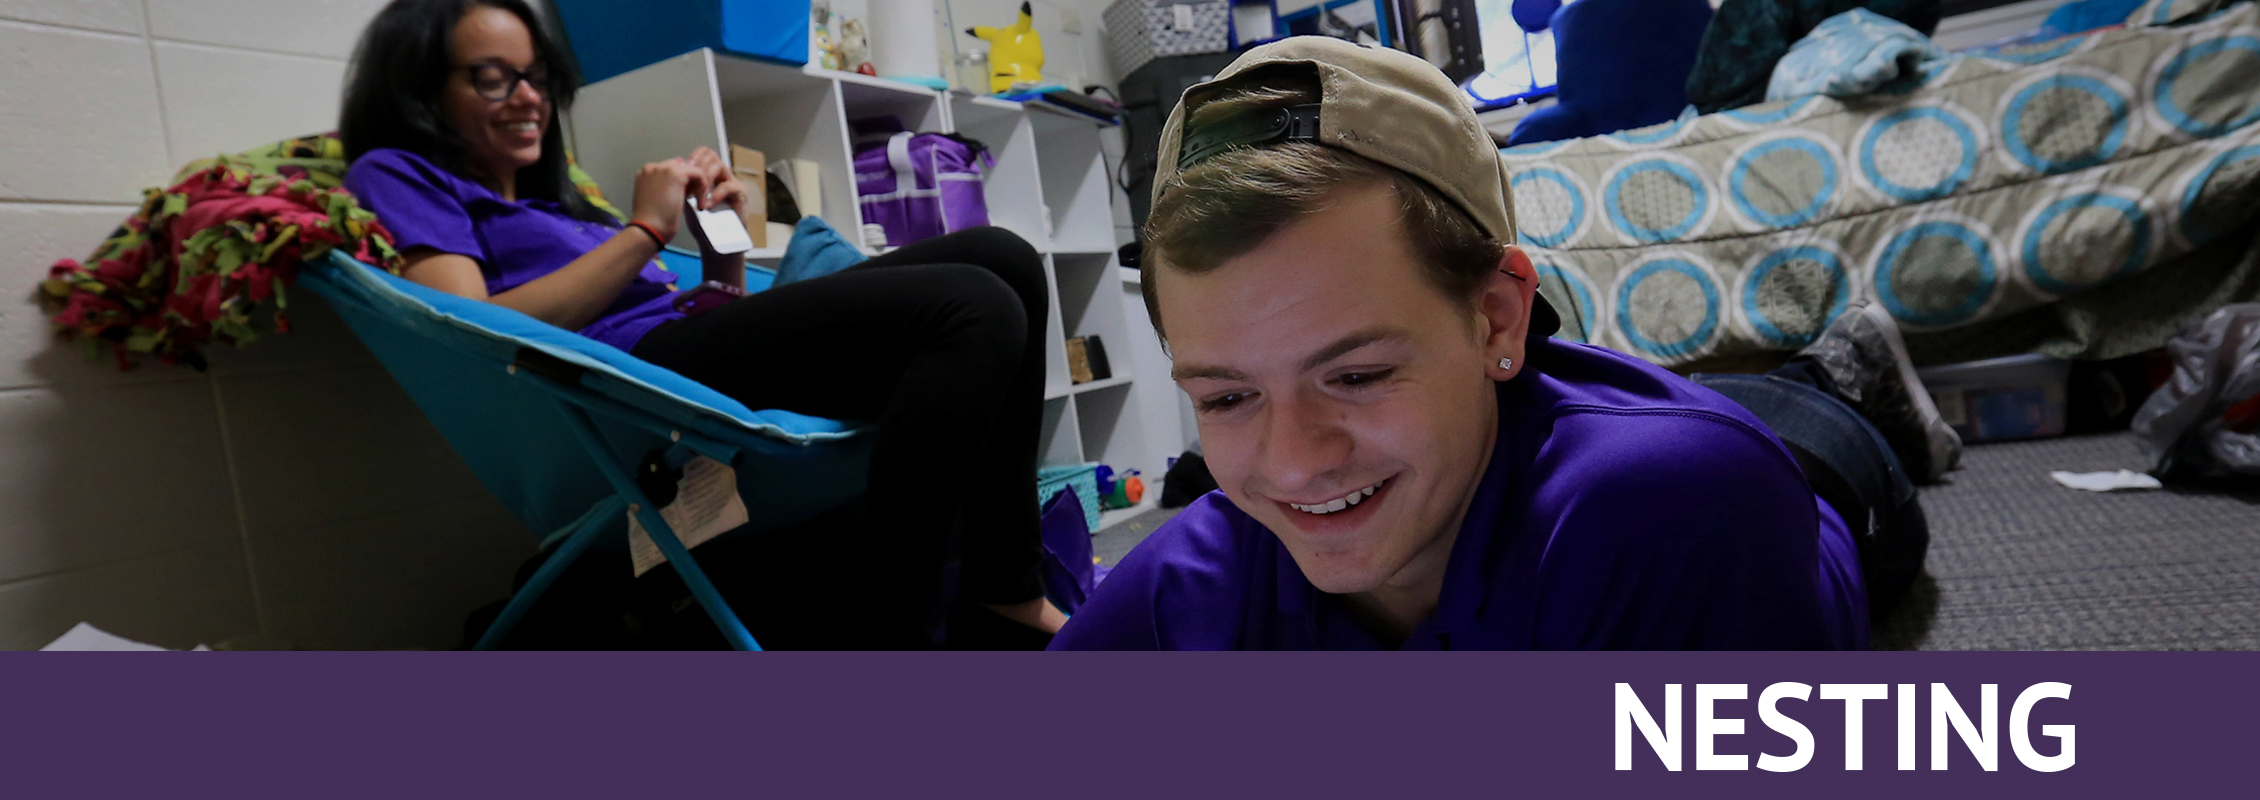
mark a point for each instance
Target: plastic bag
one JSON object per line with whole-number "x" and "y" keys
{"x": 2216, "y": 366}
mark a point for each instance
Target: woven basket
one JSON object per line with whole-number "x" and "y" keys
{"x": 1084, "y": 477}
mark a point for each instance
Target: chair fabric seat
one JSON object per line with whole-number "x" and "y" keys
{"x": 457, "y": 358}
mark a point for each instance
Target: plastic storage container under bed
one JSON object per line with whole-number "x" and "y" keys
{"x": 2015, "y": 397}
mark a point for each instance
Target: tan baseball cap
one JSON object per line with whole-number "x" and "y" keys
{"x": 1383, "y": 104}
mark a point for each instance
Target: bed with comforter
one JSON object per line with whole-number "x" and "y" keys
{"x": 2082, "y": 197}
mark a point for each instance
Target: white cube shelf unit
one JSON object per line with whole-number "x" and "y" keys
{"x": 1049, "y": 185}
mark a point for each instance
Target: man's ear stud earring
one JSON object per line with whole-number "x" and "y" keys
{"x": 1506, "y": 363}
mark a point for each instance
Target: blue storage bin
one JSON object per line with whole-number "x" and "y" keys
{"x": 611, "y": 37}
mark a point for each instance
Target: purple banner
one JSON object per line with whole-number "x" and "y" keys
{"x": 1121, "y": 725}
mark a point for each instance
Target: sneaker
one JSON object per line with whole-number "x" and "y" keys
{"x": 1864, "y": 355}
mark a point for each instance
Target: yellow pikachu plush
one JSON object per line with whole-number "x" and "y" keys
{"x": 1016, "y": 53}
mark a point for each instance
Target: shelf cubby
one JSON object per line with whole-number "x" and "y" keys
{"x": 1049, "y": 184}
{"x": 1074, "y": 182}
{"x": 1088, "y": 301}
{"x": 863, "y": 96}
{"x": 1012, "y": 188}
{"x": 1061, "y": 442}
{"x": 1108, "y": 423}
{"x": 1056, "y": 382}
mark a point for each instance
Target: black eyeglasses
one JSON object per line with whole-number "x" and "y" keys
{"x": 497, "y": 82}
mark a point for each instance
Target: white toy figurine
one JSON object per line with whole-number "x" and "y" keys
{"x": 855, "y": 48}
{"x": 821, "y": 44}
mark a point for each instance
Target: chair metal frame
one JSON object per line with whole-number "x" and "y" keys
{"x": 634, "y": 399}
{"x": 580, "y": 534}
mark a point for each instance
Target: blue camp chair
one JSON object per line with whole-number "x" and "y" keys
{"x": 559, "y": 426}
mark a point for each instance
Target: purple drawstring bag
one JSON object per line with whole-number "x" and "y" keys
{"x": 921, "y": 185}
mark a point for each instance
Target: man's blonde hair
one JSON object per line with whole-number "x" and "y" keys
{"x": 1232, "y": 202}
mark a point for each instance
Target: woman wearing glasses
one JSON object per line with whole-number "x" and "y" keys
{"x": 450, "y": 117}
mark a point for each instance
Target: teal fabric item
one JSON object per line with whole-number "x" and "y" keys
{"x": 1747, "y": 38}
{"x": 816, "y": 251}
{"x": 1858, "y": 52}
{"x": 457, "y": 357}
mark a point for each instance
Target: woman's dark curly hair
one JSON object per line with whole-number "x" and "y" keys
{"x": 392, "y": 95}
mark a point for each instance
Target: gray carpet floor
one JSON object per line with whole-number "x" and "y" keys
{"x": 2018, "y": 562}
{"x": 1112, "y": 544}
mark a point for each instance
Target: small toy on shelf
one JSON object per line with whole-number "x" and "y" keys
{"x": 1016, "y": 52}
{"x": 827, "y": 54}
{"x": 1121, "y": 490}
{"x": 823, "y": 47}
{"x": 855, "y": 48}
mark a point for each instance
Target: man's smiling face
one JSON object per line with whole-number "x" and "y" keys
{"x": 1344, "y": 401}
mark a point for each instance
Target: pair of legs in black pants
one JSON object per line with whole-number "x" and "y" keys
{"x": 940, "y": 344}
{"x": 1849, "y": 465}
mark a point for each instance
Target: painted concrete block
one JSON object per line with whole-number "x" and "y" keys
{"x": 98, "y": 474}
{"x": 326, "y": 28}
{"x": 179, "y": 599}
{"x": 115, "y": 16}
{"x": 314, "y": 448}
{"x": 78, "y": 116}
{"x": 226, "y": 101}
{"x": 397, "y": 580}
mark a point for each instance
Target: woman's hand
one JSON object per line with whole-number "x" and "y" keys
{"x": 660, "y": 189}
{"x": 722, "y": 186}
{"x": 722, "y": 190}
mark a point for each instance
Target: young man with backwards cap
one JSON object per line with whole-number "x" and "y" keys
{"x": 1406, "y": 460}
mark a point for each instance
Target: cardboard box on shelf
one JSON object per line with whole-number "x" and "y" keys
{"x": 1086, "y": 360}
{"x": 752, "y": 169}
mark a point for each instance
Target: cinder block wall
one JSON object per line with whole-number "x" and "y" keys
{"x": 292, "y": 495}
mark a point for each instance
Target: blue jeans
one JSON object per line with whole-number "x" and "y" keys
{"x": 1848, "y": 464}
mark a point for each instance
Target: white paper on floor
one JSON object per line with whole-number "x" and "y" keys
{"x": 87, "y": 638}
{"x": 2119, "y": 480}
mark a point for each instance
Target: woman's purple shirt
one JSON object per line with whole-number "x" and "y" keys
{"x": 514, "y": 242}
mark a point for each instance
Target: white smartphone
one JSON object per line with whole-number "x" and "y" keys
{"x": 719, "y": 230}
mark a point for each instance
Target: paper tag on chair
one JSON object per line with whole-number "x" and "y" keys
{"x": 706, "y": 505}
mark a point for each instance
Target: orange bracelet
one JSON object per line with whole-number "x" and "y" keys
{"x": 656, "y": 239}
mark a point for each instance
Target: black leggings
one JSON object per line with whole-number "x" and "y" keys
{"x": 941, "y": 344}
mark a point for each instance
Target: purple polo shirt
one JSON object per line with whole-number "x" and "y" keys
{"x": 1624, "y": 508}
{"x": 514, "y": 242}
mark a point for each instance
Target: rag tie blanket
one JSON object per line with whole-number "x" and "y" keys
{"x": 212, "y": 258}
